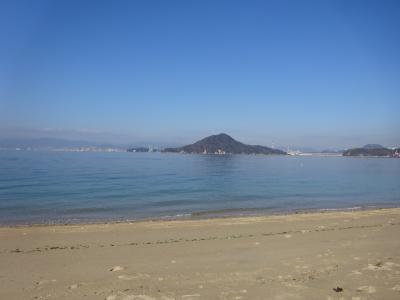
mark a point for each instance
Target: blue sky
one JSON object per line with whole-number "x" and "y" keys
{"x": 305, "y": 73}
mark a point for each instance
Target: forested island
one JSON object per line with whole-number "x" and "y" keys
{"x": 223, "y": 144}
{"x": 372, "y": 150}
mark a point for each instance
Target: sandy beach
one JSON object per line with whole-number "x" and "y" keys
{"x": 331, "y": 255}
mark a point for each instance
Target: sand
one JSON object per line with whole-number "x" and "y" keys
{"x": 332, "y": 255}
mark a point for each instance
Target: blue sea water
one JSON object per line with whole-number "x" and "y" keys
{"x": 53, "y": 187}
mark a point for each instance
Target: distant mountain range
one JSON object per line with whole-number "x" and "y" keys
{"x": 372, "y": 150}
{"x": 223, "y": 144}
{"x": 52, "y": 143}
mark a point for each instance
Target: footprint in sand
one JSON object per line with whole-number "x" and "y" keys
{"x": 190, "y": 296}
{"x": 355, "y": 272}
{"x": 380, "y": 266}
{"x": 116, "y": 269}
{"x": 367, "y": 288}
{"x": 132, "y": 277}
{"x": 137, "y": 297}
{"x": 396, "y": 288}
{"x": 286, "y": 296}
{"x": 45, "y": 281}
{"x": 126, "y": 277}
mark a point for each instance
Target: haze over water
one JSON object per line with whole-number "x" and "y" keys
{"x": 47, "y": 187}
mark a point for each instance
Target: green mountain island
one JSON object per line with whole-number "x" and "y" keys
{"x": 223, "y": 144}
{"x": 372, "y": 150}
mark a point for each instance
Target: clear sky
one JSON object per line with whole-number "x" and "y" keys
{"x": 307, "y": 73}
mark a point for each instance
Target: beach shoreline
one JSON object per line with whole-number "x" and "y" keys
{"x": 201, "y": 215}
{"x": 353, "y": 254}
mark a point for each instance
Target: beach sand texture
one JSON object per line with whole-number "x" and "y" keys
{"x": 331, "y": 255}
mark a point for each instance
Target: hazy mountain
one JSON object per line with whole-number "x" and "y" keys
{"x": 52, "y": 143}
{"x": 373, "y": 146}
{"x": 223, "y": 144}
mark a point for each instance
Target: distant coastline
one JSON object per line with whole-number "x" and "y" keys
{"x": 213, "y": 145}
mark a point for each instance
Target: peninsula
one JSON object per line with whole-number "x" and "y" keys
{"x": 223, "y": 144}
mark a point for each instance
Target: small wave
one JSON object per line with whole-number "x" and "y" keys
{"x": 229, "y": 211}
{"x": 85, "y": 210}
{"x": 177, "y": 216}
{"x": 342, "y": 208}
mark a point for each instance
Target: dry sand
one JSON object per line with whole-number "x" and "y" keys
{"x": 336, "y": 255}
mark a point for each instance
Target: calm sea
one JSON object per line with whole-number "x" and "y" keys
{"x": 53, "y": 187}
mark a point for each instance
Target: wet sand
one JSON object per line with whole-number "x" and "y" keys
{"x": 331, "y": 255}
